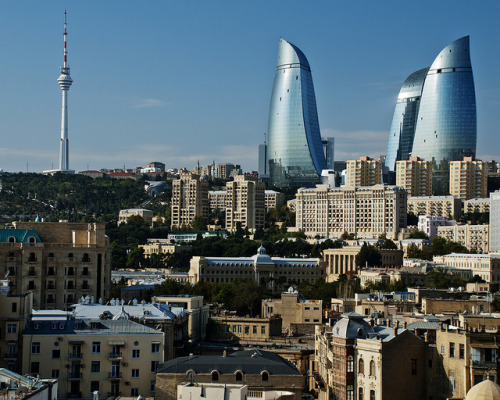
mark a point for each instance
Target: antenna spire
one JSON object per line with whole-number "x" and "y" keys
{"x": 65, "y": 47}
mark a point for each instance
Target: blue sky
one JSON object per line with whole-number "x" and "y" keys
{"x": 184, "y": 81}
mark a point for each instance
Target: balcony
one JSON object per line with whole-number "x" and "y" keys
{"x": 85, "y": 287}
{"x": 115, "y": 376}
{"x": 75, "y": 376}
{"x": 10, "y": 356}
{"x": 485, "y": 364}
{"x": 115, "y": 356}
{"x": 51, "y": 287}
{"x": 75, "y": 356}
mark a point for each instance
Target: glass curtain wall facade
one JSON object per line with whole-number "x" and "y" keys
{"x": 295, "y": 152}
{"x": 405, "y": 119}
{"x": 435, "y": 116}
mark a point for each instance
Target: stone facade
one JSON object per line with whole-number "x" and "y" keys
{"x": 189, "y": 200}
{"x": 468, "y": 179}
{"x": 244, "y": 203}
{"x": 415, "y": 176}
{"x": 474, "y": 237}
{"x": 70, "y": 260}
{"x": 487, "y": 266}
{"x": 363, "y": 172}
{"x": 444, "y": 206}
{"x": 246, "y": 329}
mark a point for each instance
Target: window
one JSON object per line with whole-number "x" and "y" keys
{"x": 255, "y": 329}
{"x": 11, "y": 328}
{"x": 134, "y": 392}
{"x": 94, "y": 386}
{"x": 361, "y": 366}
{"x": 413, "y": 366}
{"x": 135, "y": 373}
{"x": 350, "y": 392}
{"x": 461, "y": 351}
{"x": 96, "y": 366}
{"x": 56, "y": 354}
{"x": 54, "y": 374}
{"x": 350, "y": 364}
{"x": 215, "y": 376}
{"x": 234, "y": 328}
{"x": 136, "y": 353}
{"x": 96, "y": 347}
{"x": 247, "y": 330}
{"x": 265, "y": 377}
{"x": 361, "y": 393}
{"x": 263, "y": 330}
{"x": 372, "y": 368}
{"x": 442, "y": 349}
{"x": 154, "y": 366}
{"x": 152, "y": 386}
{"x": 155, "y": 347}
{"x": 239, "y": 376}
{"x": 35, "y": 348}
{"x": 14, "y": 307}
{"x": 35, "y": 367}
{"x": 372, "y": 394}
{"x": 452, "y": 350}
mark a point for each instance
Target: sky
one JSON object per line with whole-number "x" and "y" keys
{"x": 188, "y": 81}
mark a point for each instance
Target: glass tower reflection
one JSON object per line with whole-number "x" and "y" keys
{"x": 295, "y": 150}
{"x": 405, "y": 119}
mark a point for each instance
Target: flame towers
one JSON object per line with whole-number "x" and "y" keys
{"x": 295, "y": 153}
{"x": 435, "y": 116}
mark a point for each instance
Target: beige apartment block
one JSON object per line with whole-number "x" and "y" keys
{"x": 189, "y": 200}
{"x": 14, "y": 312}
{"x": 468, "y": 357}
{"x": 197, "y": 311}
{"x": 444, "y": 206}
{"x": 58, "y": 261}
{"x": 474, "y": 237}
{"x": 415, "y": 176}
{"x": 234, "y": 328}
{"x": 487, "y": 266}
{"x": 217, "y": 200}
{"x": 146, "y": 215}
{"x": 245, "y": 203}
{"x": 114, "y": 357}
{"x": 477, "y": 205}
{"x": 448, "y": 306}
{"x": 363, "y": 172}
{"x": 274, "y": 199}
{"x": 366, "y": 212}
{"x": 292, "y": 310}
{"x": 163, "y": 246}
{"x": 468, "y": 179}
{"x": 343, "y": 261}
{"x": 224, "y": 170}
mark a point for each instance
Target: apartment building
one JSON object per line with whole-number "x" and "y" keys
{"x": 146, "y": 215}
{"x": 444, "y": 206}
{"x": 245, "y": 205}
{"x": 468, "y": 179}
{"x": 273, "y": 199}
{"x": 481, "y": 205}
{"x": 227, "y": 170}
{"x": 366, "y": 212}
{"x": 415, "y": 176}
{"x": 189, "y": 199}
{"x": 163, "y": 246}
{"x": 14, "y": 311}
{"x": 487, "y": 266}
{"x": 474, "y": 237}
{"x": 58, "y": 261}
{"x": 217, "y": 200}
{"x": 113, "y": 357}
{"x": 363, "y": 172}
{"x": 293, "y": 311}
{"x": 237, "y": 329}
{"x": 429, "y": 224}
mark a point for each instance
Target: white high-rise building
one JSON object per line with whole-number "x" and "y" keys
{"x": 495, "y": 222}
{"x": 65, "y": 83}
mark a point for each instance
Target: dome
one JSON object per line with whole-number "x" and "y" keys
{"x": 121, "y": 315}
{"x": 261, "y": 256}
{"x": 351, "y": 326}
{"x": 485, "y": 390}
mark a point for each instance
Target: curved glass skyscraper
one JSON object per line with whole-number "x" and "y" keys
{"x": 295, "y": 152}
{"x": 445, "y": 128}
{"x": 405, "y": 119}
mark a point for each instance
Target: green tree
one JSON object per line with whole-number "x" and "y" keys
{"x": 135, "y": 258}
{"x": 389, "y": 244}
{"x": 368, "y": 256}
{"x": 199, "y": 223}
{"x": 417, "y": 234}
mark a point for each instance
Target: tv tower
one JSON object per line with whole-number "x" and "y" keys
{"x": 65, "y": 82}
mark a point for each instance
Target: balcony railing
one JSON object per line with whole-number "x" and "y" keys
{"x": 115, "y": 356}
{"x": 115, "y": 375}
{"x": 485, "y": 364}
{"x": 75, "y": 356}
{"x": 10, "y": 356}
{"x": 75, "y": 376}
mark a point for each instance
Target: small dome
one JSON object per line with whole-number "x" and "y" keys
{"x": 122, "y": 315}
{"x": 261, "y": 256}
{"x": 485, "y": 390}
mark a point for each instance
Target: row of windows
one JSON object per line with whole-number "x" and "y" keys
{"x": 96, "y": 347}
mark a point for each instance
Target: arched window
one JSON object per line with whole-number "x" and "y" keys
{"x": 239, "y": 376}
{"x": 215, "y": 376}
{"x": 86, "y": 257}
{"x": 70, "y": 255}
{"x": 265, "y": 377}
{"x": 361, "y": 366}
{"x": 350, "y": 364}
{"x": 372, "y": 368}
{"x": 12, "y": 239}
{"x": 361, "y": 393}
{"x": 372, "y": 394}
{"x": 32, "y": 239}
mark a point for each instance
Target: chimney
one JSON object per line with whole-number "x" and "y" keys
{"x": 224, "y": 353}
{"x": 405, "y": 324}
{"x": 372, "y": 322}
{"x": 426, "y": 337}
